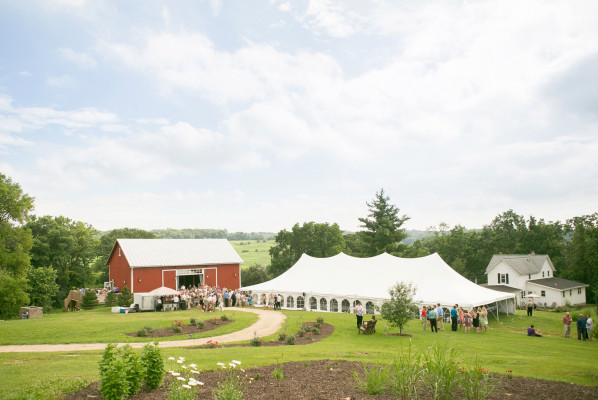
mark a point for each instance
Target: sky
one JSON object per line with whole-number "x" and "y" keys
{"x": 256, "y": 115}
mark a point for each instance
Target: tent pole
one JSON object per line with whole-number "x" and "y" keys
{"x": 497, "y": 317}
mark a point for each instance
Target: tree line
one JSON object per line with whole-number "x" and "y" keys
{"x": 572, "y": 245}
{"x": 43, "y": 257}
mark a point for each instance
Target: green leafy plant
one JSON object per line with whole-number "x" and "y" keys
{"x": 113, "y": 382}
{"x": 177, "y": 390}
{"x": 440, "y": 371}
{"x": 405, "y": 376}
{"x": 315, "y": 331}
{"x": 374, "y": 379}
{"x": 290, "y": 340}
{"x": 282, "y": 336}
{"x": 476, "y": 382}
{"x": 193, "y": 321}
{"x": 301, "y": 333}
{"x": 224, "y": 317}
{"x": 126, "y": 298}
{"x": 154, "y": 365}
{"x": 278, "y": 373}
{"x": 177, "y": 326}
{"x": 200, "y": 324}
{"x": 230, "y": 388}
{"x": 141, "y": 333}
{"x": 320, "y": 320}
{"x": 111, "y": 299}
{"x": 256, "y": 342}
{"x": 134, "y": 369}
{"x": 90, "y": 300}
{"x": 210, "y": 344}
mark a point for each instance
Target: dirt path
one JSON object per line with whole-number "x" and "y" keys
{"x": 269, "y": 322}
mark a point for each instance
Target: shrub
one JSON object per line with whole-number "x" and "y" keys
{"x": 141, "y": 333}
{"x": 113, "y": 382}
{"x": 177, "y": 326}
{"x": 210, "y": 344}
{"x": 148, "y": 329}
{"x": 282, "y": 336}
{"x": 290, "y": 340}
{"x": 307, "y": 328}
{"x": 224, "y": 318}
{"x": 374, "y": 379}
{"x": 200, "y": 324}
{"x": 301, "y": 333}
{"x": 134, "y": 369}
{"x": 256, "y": 342}
{"x": 316, "y": 324}
{"x": 193, "y": 321}
{"x": 111, "y": 299}
{"x": 315, "y": 331}
{"x": 154, "y": 365}
{"x": 320, "y": 320}
{"x": 126, "y": 298}
{"x": 90, "y": 300}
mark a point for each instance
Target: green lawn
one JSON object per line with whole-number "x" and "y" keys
{"x": 101, "y": 326}
{"x": 504, "y": 347}
{"x": 253, "y": 251}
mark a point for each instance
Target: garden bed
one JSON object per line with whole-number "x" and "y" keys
{"x": 187, "y": 329}
{"x": 331, "y": 379}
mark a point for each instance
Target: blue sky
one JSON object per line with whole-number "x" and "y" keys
{"x": 256, "y": 115}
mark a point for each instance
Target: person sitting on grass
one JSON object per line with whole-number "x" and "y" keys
{"x": 533, "y": 332}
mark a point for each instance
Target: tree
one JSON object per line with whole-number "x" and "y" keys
{"x": 15, "y": 243}
{"x": 316, "y": 240}
{"x": 253, "y": 275}
{"x": 400, "y": 308}
{"x": 126, "y": 298}
{"x": 111, "y": 299}
{"x": 42, "y": 287}
{"x": 90, "y": 300}
{"x": 65, "y": 245}
{"x": 581, "y": 253}
{"x": 383, "y": 232}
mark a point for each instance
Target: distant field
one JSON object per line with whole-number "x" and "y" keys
{"x": 253, "y": 251}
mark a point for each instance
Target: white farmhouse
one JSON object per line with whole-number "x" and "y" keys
{"x": 524, "y": 274}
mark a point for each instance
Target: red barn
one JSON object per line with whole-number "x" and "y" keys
{"x": 146, "y": 264}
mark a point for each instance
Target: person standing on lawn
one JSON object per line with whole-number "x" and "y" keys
{"x": 454, "y": 318}
{"x": 530, "y": 307}
{"x": 567, "y": 323}
{"x": 581, "y": 327}
{"x": 425, "y": 317}
{"x": 440, "y": 318}
{"x": 589, "y": 327}
{"x": 358, "y": 310}
{"x": 432, "y": 315}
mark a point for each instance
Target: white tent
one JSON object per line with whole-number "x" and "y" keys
{"x": 325, "y": 283}
{"x": 164, "y": 291}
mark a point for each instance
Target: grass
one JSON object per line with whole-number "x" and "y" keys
{"x": 504, "y": 347}
{"x": 253, "y": 251}
{"x": 101, "y": 326}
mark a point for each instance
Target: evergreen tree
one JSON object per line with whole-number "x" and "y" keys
{"x": 126, "y": 298}
{"x": 111, "y": 299}
{"x": 383, "y": 232}
{"x": 90, "y": 300}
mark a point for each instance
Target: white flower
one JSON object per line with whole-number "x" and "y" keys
{"x": 175, "y": 374}
{"x": 192, "y": 383}
{"x": 182, "y": 358}
{"x": 193, "y": 366}
{"x": 237, "y": 362}
{"x": 187, "y": 386}
{"x": 179, "y": 361}
{"x": 171, "y": 358}
{"x": 194, "y": 371}
{"x": 232, "y": 365}
{"x": 221, "y": 364}
{"x": 182, "y": 366}
{"x": 180, "y": 378}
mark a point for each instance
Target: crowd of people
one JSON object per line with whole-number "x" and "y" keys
{"x": 461, "y": 319}
{"x": 206, "y": 298}
{"x": 584, "y": 324}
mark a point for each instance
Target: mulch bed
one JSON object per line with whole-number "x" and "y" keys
{"x": 209, "y": 325}
{"x": 332, "y": 379}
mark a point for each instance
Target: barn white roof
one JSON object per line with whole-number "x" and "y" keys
{"x": 371, "y": 278}
{"x": 178, "y": 252}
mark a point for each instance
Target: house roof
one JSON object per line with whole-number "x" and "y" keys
{"x": 176, "y": 252}
{"x": 501, "y": 288}
{"x": 523, "y": 264}
{"x": 557, "y": 283}
{"x": 371, "y": 278}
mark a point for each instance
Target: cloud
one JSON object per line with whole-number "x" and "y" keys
{"x": 60, "y": 81}
{"x": 82, "y": 60}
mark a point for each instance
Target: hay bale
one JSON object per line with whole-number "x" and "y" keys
{"x": 32, "y": 312}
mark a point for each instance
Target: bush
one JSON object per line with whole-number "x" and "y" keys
{"x": 224, "y": 318}
{"x": 320, "y": 320}
{"x": 141, "y": 333}
{"x": 315, "y": 331}
{"x": 301, "y": 332}
{"x": 282, "y": 336}
{"x": 177, "y": 326}
{"x": 193, "y": 321}
{"x": 111, "y": 299}
{"x": 154, "y": 365}
{"x": 200, "y": 324}
{"x": 90, "y": 300}
{"x": 256, "y": 342}
{"x": 126, "y": 298}
{"x": 134, "y": 371}
{"x": 113, "y": 382}
{"x": 316, "y": 324}
{"x": 291, "y": 340}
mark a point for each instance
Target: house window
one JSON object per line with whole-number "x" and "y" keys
{"x": 579, "y": 291}
{"x": 503, "y": 278}
{"x": 530, "y": 276}
{"x": 563, "y": 293}
{"x": 548, "y": 273}
{"x": 543, "y": 293}
{"x": 542, "y": 274}
{"x": 570, "y": 293}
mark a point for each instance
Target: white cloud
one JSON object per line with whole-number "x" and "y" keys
{"x": 62, "y": 81}
{"x": 82, "y": 60}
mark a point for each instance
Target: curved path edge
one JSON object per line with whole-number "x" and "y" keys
{"x": 268, "y": 323}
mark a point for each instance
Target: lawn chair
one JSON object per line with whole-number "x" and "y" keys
{"x": 368, "y": 328}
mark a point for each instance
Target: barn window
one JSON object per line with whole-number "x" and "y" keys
{"x": 543, "y": 293}
{"x": 300, "y": 302}
{"x": 345, "y": 305}
{"x": 290, "y": 302}
{"x": 369, "y": 307}
{"x": 119, "y": 251}
{"x": 333, "y": 305}
{"x": 313, "y": 303}
{"x": 323, "y": 304}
